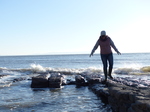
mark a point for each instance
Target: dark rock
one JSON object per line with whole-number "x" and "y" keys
{"x": 55, "y": 80}
{"x": 128, "y": 99}
{"x": 140, "y": 106}
{"x": 40, "y": 81}
{"x": 4, "y": 75}
{"x": 93, "y": 79}
{"x": 122, "y": 95}
{"x": 19, "y": 79}
{"x": 101, "y": 91}
{"x": 80, "y": 81}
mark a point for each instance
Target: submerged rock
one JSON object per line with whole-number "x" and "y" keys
{"x": 19, "y": 79}
{"x": 3, "y": 75}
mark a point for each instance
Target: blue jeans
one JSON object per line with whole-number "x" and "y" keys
{"x": 107, "y": 58}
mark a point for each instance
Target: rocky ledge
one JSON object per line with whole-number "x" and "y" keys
{"x": 122, "y": 97}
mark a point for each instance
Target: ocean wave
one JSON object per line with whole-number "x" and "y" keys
{"x": 8, "y": 76}
{"x": 133, "y": 71}
{"x": 146, "y": 69}
{"x": 36, "y": 68}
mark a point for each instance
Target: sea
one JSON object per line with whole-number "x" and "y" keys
{"x": 18, "y": 96}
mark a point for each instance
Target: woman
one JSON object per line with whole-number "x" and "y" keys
{"x": 106, "y": 43}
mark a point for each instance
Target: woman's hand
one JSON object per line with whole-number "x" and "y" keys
{"x": 118, "y": 53}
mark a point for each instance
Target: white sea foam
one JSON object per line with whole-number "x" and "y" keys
{"x": 133, "y": 69}
{"x": 37, "y": 68}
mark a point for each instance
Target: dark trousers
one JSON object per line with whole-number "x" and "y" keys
{"x": 107, "y": 58}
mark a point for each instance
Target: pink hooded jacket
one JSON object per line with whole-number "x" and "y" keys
{"x": 105, "y": 46}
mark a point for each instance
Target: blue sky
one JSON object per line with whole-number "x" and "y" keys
{"x": 72, "y": 26}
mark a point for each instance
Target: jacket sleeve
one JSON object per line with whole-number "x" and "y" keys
{"x": 113, "y": 45}
{"x": 95, "y": 47}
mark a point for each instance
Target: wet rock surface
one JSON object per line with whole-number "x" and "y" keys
{"x": 55, "y": 80}
{"x": 80, "y": 81}
{"x": 128, "y": 99}
{"x": 123, "y": 97}
{"x": 122, "y": 94}
{"x": 40, "y": 81}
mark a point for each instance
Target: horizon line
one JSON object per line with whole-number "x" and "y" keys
{"x": 69, "y": 53}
